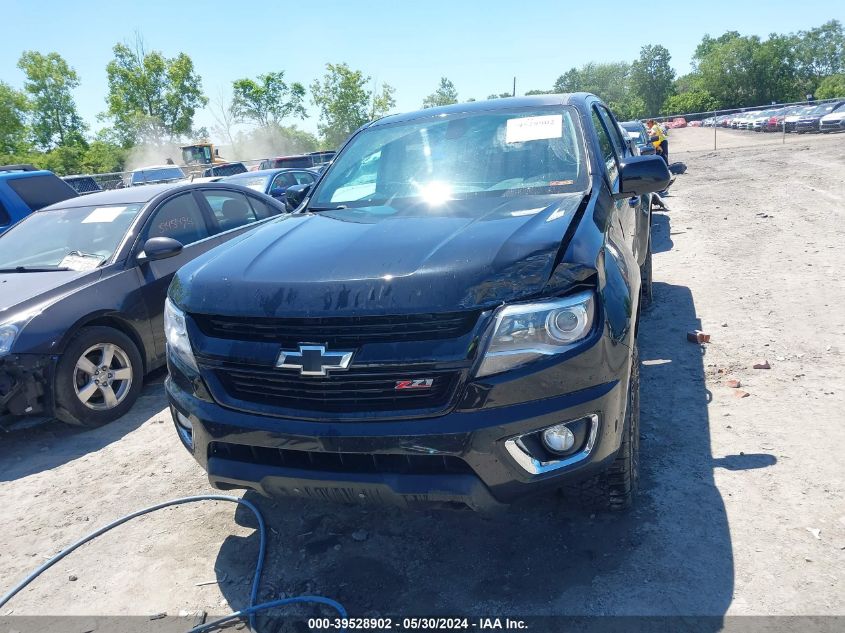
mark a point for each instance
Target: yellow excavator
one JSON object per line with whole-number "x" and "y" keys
{"x": 202, "y": 153}
{"x": 202, "y": 160}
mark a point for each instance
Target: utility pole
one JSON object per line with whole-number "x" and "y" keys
{"x": 514, "y": 86}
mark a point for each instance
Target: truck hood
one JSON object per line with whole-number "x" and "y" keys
{"x": 460, "y": 255}
{"x": 21, "y": 292}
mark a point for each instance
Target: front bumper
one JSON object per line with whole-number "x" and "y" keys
{"x": 23, "y": 384}
{"x": 461, "y": 457}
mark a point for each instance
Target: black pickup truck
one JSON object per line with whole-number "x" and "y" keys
{"x": 450, "y": 316}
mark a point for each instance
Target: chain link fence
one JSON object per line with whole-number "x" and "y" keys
{"x": 762, "y": 125}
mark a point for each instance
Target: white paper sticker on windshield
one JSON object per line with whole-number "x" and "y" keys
{"x": 103, "y": 214}
{"x": 75, "y": 261}
{"x": 534, "y": 128}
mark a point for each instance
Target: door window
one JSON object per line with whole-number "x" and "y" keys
{"x": 283, "y": 180}
{"x": 612, "y": 128}
{"x": 609, "y": 152}
{"x": 179, "y": 218}
{"x": 262, "y": 210}
{"x": 303, "y": 177}
{"x": 231, "y": 209}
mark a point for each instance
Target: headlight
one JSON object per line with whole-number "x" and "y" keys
{"x": 178, "y": 344}
{"x": 10, "y": 329}
{"x": 525, "y": 332}
{"x": 8, "y": 334}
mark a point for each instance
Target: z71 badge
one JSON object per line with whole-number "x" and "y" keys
{"x": 420, "y": 383}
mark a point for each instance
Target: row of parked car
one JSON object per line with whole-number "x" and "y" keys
{"x": 159, "y": 174}
{"x": 825, "y": 117}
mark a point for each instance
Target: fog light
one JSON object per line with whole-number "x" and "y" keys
{"x": 558, "y": 439}
{"x": 185, "y": 423}
{"x": 184, "y": 428}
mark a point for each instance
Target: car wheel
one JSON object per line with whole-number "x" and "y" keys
{"x": 615, "y": 488}
{"x": 98, "y": 378}
{"x": 646, "y": 279}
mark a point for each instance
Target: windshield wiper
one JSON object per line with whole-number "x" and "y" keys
{"x": 34, "y": 269}
{"x": 337, "y": 208}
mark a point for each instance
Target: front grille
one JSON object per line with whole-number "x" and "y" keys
{"x": 339, "y": 331}
{"x": 355, "y": 390}
{"x": 341, "y": 462}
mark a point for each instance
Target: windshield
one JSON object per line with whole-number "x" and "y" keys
{"x": 157, "y": 175}
{"x": 825, "y": 108}
{"x": 195, "y": 154}
{"x": 636, "y": 132}
{"x": 491, "y": 153}
{"x": 258, "y": 183}
{"x": 80, "y": 238}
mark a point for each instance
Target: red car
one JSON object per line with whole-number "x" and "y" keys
{"x": 679, "y": 122}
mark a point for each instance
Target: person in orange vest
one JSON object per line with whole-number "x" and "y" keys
{"x": 658, "y": 139}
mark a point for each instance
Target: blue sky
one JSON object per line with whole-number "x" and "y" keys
{"x": 480, "y": 46}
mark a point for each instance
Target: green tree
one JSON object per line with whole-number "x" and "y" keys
{"x": 538, "y": 92}
{"x": 651, "y": 77}
{"x": 831, "y": 87}
{"x": 102, "y": 157}
{"x": 382, "y": 101}
{"x": 501, "y": 95}
{"x": 345, "y": 103}
{"x": 609, "y": 82}
{"x": 13, "y": 128}
{"x": 446, "y": 94}
{"x": 151, "y": 97}
{"x": 820, "y": 52}
{"x": 49, "y": 83}
{"x": 268, "y": 100}
{"x": 688, "y": 102}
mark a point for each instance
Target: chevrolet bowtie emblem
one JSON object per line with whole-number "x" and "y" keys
{"x": 313, "y": 360}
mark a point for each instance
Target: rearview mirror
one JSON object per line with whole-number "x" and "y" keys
{"x": 295, "y": 195}
{"x": 157, "y": 248}
{"x": 639, "y": 175}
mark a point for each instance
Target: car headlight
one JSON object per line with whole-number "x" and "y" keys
{"x": 176, "y": 333}
{"x": 8, "y": 334}
{"x": 10, "y": 329}
{"x": 528, "y": 331}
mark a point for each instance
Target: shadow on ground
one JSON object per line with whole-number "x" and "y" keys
{"x": 661, "y": 227}
{"x": 32, "y": 446}
{"x": 671, "y": 555}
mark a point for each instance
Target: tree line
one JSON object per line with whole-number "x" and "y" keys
{"x": 153, "y": 99}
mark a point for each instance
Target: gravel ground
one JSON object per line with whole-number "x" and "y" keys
{"x": 742, "y": 505}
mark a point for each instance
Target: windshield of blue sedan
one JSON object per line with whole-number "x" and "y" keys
{"x": 79, "y": 238}
{"x": 497, "y": 153}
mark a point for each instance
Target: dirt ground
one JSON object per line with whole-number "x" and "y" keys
{"x": 741, "y": 510}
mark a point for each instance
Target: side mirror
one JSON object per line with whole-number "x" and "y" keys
{"x": 278, "y": 192}
{"x": 639, "y": 175}
{"x": 295, "y": 195}
{"x": 157, "y": 248}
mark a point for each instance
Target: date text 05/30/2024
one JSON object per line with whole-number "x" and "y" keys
{"x": 416, "y": 624}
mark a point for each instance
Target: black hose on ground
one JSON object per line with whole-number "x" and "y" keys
{"x": 249, "y": 612}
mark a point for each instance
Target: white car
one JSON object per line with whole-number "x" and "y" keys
{"x": 833, "y": 122}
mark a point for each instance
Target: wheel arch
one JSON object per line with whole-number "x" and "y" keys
{"x": 114, "y": 321}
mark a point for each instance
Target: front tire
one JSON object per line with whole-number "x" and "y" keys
{"x": 647, "y": 279}
{"x": 615, "y": 488}
{"x": 98, "y": 378}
